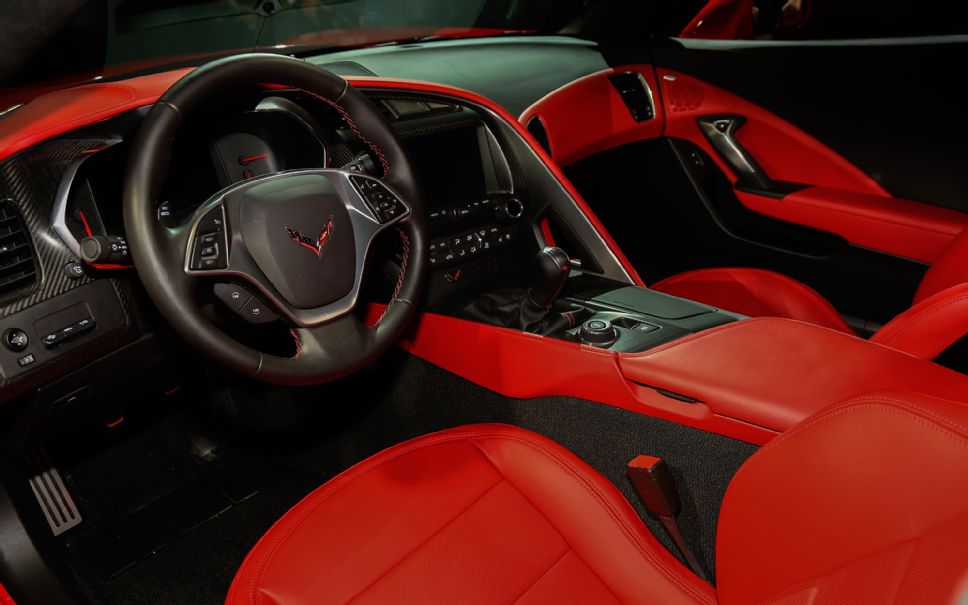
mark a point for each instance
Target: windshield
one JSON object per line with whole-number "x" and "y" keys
{"x": 101, "y": 38}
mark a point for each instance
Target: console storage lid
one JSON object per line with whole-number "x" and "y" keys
{"x": 775, "y": 372}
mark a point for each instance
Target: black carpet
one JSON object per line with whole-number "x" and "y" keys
{"x": 173, "y": 507}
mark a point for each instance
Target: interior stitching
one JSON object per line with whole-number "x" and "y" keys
{"x": 627, "y": 531}
{"x": 545, "y": 572}
{"x": 384, "y": 163}
{"x": 919, "y": 316}
{"x": 404, "y": 261}
{"x": 538, "y": 509}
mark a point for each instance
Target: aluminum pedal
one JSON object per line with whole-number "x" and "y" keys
{"x": 51, "y": 493}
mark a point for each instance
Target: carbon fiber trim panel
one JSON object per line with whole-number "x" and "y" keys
{"x": 31, "y": 179}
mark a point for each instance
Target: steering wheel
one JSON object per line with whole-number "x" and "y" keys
{"x": 300, "y": 238}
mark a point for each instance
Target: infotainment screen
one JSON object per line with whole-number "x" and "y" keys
{"x": 449, "y": 166}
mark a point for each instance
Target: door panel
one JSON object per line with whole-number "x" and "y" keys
{"x": 892, "y": 108}
{"x": 671, "y": 209}
{"x": 808, "y": 183}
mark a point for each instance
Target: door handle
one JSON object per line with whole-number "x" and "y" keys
{"x": 720, "y": 131}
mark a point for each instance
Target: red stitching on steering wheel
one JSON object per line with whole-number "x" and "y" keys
{"x": 384, "y": 164}
{"x": 404, "y": 261}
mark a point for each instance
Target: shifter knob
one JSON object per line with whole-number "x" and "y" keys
{"x": 552, "y": 268}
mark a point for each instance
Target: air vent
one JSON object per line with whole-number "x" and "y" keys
{"x": 537, "y": 129}
{"x": 405, "y": 109}
{"x": 633, "y": 89}
{"x": 17, "y": 267}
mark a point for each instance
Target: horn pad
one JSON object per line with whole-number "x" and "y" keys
{"x": 299, "y": 233}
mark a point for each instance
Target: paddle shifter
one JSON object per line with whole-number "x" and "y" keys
{"x": 526, "y": 310}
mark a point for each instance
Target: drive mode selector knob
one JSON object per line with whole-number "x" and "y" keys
{"x": 598, "y": 332}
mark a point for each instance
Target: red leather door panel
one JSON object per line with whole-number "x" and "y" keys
{"x": 839, "y": 197}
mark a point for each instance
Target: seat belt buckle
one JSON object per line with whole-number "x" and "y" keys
{"x": 652, "y": 480}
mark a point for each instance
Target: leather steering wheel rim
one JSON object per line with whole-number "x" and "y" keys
{"x": 324, "y": 352}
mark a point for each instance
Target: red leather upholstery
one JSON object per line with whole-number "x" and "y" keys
{"x": 756, "y": 293}
{"x": 938, "y": 319}
{"x": 949, "y": 270}
{"x": 928, "y": 328}
{"x": 489, "y": 513}
{"x": 776, "y": 372}
{"x": 865, "y": 502}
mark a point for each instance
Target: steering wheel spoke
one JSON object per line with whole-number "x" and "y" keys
{"x": 299, "y": 239}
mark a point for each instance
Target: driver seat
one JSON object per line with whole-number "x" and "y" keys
{"x": 865, "y": 502}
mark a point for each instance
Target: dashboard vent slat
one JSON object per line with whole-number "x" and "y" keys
{"x": 18, "y": 268}
{"x": 635, "y": 92}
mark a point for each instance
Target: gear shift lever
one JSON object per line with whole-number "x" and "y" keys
{"x": 525, "y": 310}
{"x": 551, "y": 273}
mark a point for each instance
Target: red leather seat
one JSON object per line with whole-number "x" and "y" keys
{"x": 866, "y": 502}
{"x": 926, "y": 330}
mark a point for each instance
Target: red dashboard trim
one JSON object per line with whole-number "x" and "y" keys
{"x": 522, "y": 365}
{"x": 753, "y": 379}
{"x": 62, "y": 111}
{"x": 501, "y": 112}
{"x": 588, "y": 116}
{"x": 713, "y": 367}
{"x": 59, "y": 112}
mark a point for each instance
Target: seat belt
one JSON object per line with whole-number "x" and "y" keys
{"x": 652, "y": 480}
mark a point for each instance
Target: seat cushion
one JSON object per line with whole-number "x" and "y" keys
{"x": 754, "y": 292}
{"x": 483, "y": 514}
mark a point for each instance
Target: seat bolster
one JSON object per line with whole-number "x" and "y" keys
{"x": 754, "y": 292}
{"x": 861, "y": 502}
{"x": 594, "y": 518}
{"x": 929, "y": 327}
{"x": 949, "y": 270}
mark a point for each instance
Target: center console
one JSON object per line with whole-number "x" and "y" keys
{"x": 473, "y": 210}
{"x": 629, "y": 319}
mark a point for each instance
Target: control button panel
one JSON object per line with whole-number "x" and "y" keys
{"x": 500, "y": 208}
{"x": 385, "y": 205}
{"x": 470, "y": 244}
{"x": 58, "y": 328}
{"x": 482, "y": 210}
{"x": 210, "y": 248}
{"x": 68, "y": 332}
{"x": 248, "y": 306}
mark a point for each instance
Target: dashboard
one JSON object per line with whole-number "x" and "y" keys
{"x": 74, "y": 331}
{"x": 482, "y": 215}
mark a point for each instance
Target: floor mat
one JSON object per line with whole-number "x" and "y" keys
{"x": 164, "y": 524}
